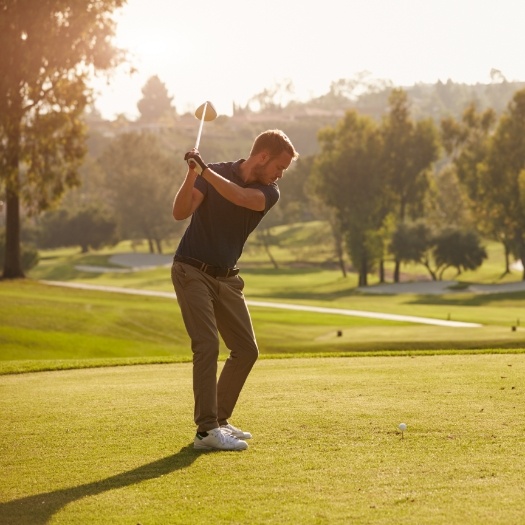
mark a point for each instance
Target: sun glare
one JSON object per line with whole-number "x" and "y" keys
{"x": 231, "y": 51}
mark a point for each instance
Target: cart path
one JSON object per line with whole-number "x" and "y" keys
{"x": 283, "y": 306}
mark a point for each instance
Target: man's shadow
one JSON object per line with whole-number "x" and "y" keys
{"x": 38, "y": 509}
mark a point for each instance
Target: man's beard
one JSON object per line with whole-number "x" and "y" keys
{"x": 259, "y": 173}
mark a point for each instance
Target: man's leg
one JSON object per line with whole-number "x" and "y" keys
{"x": 195, "y": 296}
{"x": 236, "y": 329}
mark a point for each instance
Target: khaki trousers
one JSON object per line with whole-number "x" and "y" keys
{"x": 211, "y": 306}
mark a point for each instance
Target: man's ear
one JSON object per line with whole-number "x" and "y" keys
{"x": 264, "y": 156}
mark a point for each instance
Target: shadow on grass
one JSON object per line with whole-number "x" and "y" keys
{"x": 40, "y": 508}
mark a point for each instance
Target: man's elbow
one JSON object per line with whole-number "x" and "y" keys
{"x": 178, "y": 215}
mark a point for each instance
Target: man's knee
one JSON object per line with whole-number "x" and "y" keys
{"x": 248, "y": 354}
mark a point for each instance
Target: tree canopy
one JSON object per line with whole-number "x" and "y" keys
{"x": 369, "y": 172}
{"x": 155, "y": 102}
{"x": 503, "y": 173}
{"x": 348, "y": 177}
{"x": 489, "y": 158}
{"x": 410, "y": 149}
{"x": 49, "y": 52}
{"x": 140, "y": 177}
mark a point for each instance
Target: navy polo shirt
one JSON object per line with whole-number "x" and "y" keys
{"x": 218, "y": 228}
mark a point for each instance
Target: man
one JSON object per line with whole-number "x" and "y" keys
{"x": 226, "y": 201}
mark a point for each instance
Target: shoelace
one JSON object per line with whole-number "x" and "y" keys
{"x": 232, "y": 430}
{"x": 226, "y": 437}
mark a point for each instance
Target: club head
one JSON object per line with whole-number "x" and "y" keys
{"x": 206, "y": 112}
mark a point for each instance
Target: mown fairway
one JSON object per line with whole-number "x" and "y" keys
{"x": 114, "y": 445}
{"x": 45, "y": 327}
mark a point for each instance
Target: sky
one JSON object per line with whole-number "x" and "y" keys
{"x": 227, "y": 51}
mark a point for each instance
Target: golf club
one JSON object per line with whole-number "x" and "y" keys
{"x": 205, "y": 112}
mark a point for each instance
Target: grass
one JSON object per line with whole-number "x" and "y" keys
{"x": 44, "y": 327}
{"x": 41, "y": 324}
{"x": 114, "y": 445}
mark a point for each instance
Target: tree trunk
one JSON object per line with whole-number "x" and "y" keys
{"x": 397, "y": 270}
{"x": 13, "y": 261}
{"x": 342, "y": 265}
{"x": 151, "y": 246}
{"x": 269, "y": 253}
{"x": 507, "y": 258}
{"x": 397, "y": 266}
{"x": 382, "y": 271}
{"x": 432, "y": 274}
{"x": 340, "y": 256}
{"x": 363, "y": 272}
{"x": 338, "y": 242}
{"x": 264, "y": 236}
{"x": 158, "y": 243}
{"x": 521, "y": 249}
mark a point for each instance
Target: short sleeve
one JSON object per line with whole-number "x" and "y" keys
{"x": 272, "y": 194}
{"x": 201, "y": 185}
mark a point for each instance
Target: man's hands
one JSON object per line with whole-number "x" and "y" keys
{"x": 193, "y": 158}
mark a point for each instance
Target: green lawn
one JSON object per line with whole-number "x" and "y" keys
{"x": 114, "y": 445}
{"x": 45, "y": 327}
{"x": 42, "y": 327}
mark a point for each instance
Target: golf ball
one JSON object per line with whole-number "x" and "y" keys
{"x": 402, "y": 427}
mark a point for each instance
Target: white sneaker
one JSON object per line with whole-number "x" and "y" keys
{"x": 236, "y": 432}
{"x": 217, "y": 439}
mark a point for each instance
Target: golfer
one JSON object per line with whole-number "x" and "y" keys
{"x": 226, "y": 202}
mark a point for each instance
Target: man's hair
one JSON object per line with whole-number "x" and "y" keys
{"x": 274, "y": 141}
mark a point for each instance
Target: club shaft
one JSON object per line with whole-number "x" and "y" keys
{"x": 197, "y": 142}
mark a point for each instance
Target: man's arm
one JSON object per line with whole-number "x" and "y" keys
{"x": 246, "y": 197}
{"x": 188, "y": 198}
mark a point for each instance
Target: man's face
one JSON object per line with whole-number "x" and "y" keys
{"x": 271, "y": 169}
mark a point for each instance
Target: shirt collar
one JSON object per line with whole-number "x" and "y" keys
{"x": 236, "y": 169}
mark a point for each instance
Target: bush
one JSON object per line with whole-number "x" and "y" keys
{"x": 29, "y": 254}
{"x": 88, "y": 227}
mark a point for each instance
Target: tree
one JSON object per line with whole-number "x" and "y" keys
{"x": 437, "y": 251}
{"x": 503, "y": 174}
{"x": 447, "y": 201}
{"x": 140, "y": 177}
{"x": 274, "y": 98}
{"x": 468, "y": 142}
{"x": 412, "y": 242}
{"x": 297, "y": 202}
{"x": 489, "y": 157}
{"x": 347, "y": 176}
{"x": 410, "y": 148}
{"x": 28, "y": 254}
{"x": 155, "y": 102}
{"x": 457, "y": 249}
{"x": 49, "y": 51}
{"x": 87, "y": 227}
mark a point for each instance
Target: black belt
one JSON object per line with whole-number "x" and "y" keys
{"x": 214, "y": 271}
